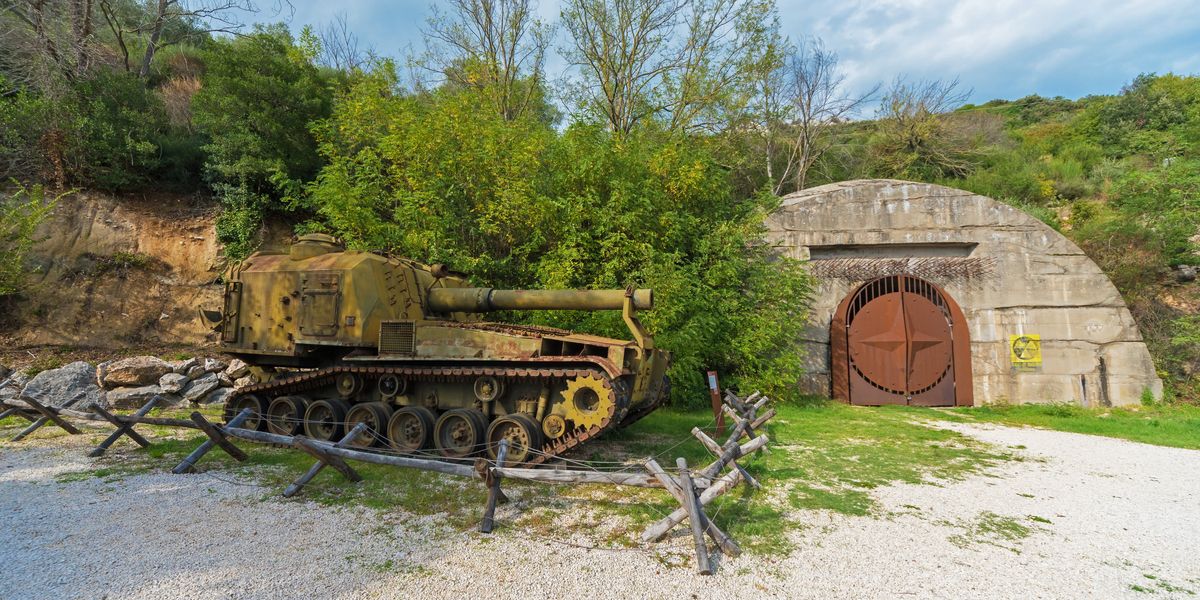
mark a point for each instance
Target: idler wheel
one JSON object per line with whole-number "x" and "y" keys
{"x": 257, "y": 406}
{"x": 411, "y": 428}
{"x": 324, "y": 418}
{"x": 376, "y": 416}
{"x": 459, "y": 432}
{"x": 523, "y": 435}
{"x": 285, "y": 415}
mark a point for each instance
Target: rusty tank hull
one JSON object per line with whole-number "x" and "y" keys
{"x": 340, "y": 338}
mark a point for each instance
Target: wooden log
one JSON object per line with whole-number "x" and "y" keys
{"x": 320, "y": 454}
{"x": 398, "y": 461}
{"x": 299, "y": 484}
{"x": 52, "y": 414}
{"x": 726, "y": 543}
{"x": 189, "y": 463}
{"x": 659, "y": 530}
{"x": 575, "y": 476}
{"x": 715, "y": 448}
{"x": 122, "y": 428}
{"x": 732, "y": 401}
{"x": 760, "y": 421}
{"x": 732, "y": 452}
{"x": 262, "y": 437}
{"x": 695, "y": 516}
{"x": 761, "y": 403}
{"x": 8, "y": 412}
{"x": 489, "y": 511}
{"x": 36, "y": 423}
{"x": 215, "y": 434}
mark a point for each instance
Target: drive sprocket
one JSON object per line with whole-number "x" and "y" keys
{"x": 588, "y": 401}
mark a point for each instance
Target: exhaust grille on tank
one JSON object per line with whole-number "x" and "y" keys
{"x": 397, "y": 338}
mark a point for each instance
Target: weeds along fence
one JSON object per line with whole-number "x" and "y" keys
{"x": 693, "y": 488}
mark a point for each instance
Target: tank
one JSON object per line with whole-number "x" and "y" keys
{"x": 339, "y": 338}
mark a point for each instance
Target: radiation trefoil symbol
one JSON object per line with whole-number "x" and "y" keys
{"x": 1026, "y": 350}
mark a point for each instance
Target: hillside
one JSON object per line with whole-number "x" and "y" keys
{"x": 496, "y": 170}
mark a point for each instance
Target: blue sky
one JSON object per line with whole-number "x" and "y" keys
{"x": 997, "y": 48}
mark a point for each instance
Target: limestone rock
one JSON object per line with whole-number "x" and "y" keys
{"x": 183, "y": 366}
{"x": 12, "y": 389}
{"x": 134, "y": 372}
{"x": 132, "y": 396}
{"x": 244, "y": 381}
{"x": 218, "y": 396}
{"x": 102, "y": 371}
{"x": 200, "y": 387}
{"x": 224, "y": 380}
{"x": 1185, "y": 273}
{"x": 172, "y": 383}
{"x": 237, "y": 369}
{"x": 73, "y": 385}
{"x": 213, "y": 365}
{"x": 195, "y": 371}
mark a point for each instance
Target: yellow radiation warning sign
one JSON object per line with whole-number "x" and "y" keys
{"x": 1025, "y": 350}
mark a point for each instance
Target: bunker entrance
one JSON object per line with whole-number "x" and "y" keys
{"x": 900, "y": 340}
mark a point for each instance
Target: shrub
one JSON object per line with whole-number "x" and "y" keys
{"x": 20, "y": 215}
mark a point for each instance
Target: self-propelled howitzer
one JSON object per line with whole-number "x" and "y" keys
{"x": 348, "y": 337}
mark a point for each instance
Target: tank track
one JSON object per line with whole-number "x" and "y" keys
{"x": 619, "y": 415}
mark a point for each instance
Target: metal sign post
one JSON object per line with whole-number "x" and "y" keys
{"x": 714, "y": 389}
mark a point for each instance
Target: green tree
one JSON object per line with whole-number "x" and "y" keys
{"x": 259, "y": 95}
{"x": 442, "y": 178}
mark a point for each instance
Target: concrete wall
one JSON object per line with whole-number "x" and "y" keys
{"x": 1028, "y": 279}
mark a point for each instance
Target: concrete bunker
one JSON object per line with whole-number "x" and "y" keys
{"x": 971, "y": 301}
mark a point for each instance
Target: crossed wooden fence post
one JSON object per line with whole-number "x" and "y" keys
{"x": 215, "y": 438}
{"x": 124, "y": 427}
{"x": 323, "y": 459}
{"x": 49, "y": 414}
{"x": 692, "y": 499}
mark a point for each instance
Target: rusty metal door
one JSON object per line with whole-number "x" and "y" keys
{"x": 900, "y": 345}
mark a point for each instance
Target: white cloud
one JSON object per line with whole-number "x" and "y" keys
{"x": 1000, "y": 48}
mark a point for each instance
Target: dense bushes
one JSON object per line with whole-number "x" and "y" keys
{"x": 440, "y": 178}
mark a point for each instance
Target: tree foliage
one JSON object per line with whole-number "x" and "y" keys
{"x": 441, "y": 178}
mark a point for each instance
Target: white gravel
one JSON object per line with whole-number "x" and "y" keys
{"x": 1120, "y": 516}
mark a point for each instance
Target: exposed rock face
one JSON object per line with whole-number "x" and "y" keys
{"x": 135, "y": 397}
{"x": 200, "y": 387}
{"x": 73, "y": 385}
{"x": 172, "y": 383}
{"x": 133, "y": 372}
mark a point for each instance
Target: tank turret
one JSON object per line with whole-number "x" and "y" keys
{"x": 362, "y": 337}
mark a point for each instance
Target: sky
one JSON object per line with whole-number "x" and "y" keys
{"x": 996, "y": 48}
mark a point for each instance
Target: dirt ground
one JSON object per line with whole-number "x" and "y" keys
{"x": 1081, "y": 517}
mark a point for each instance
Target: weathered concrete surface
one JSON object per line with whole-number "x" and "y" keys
{"x": 1040, "y": 283}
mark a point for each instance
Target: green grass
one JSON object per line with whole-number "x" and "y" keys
{"x": 993, "y": 529}
{"x": 1163, "y": 425}
{"x": 826, "y": 457}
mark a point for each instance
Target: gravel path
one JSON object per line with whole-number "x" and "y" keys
{"x": 1081, "y": 517}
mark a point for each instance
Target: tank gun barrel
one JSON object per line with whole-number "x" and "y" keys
{"x": 475, "y": 300}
